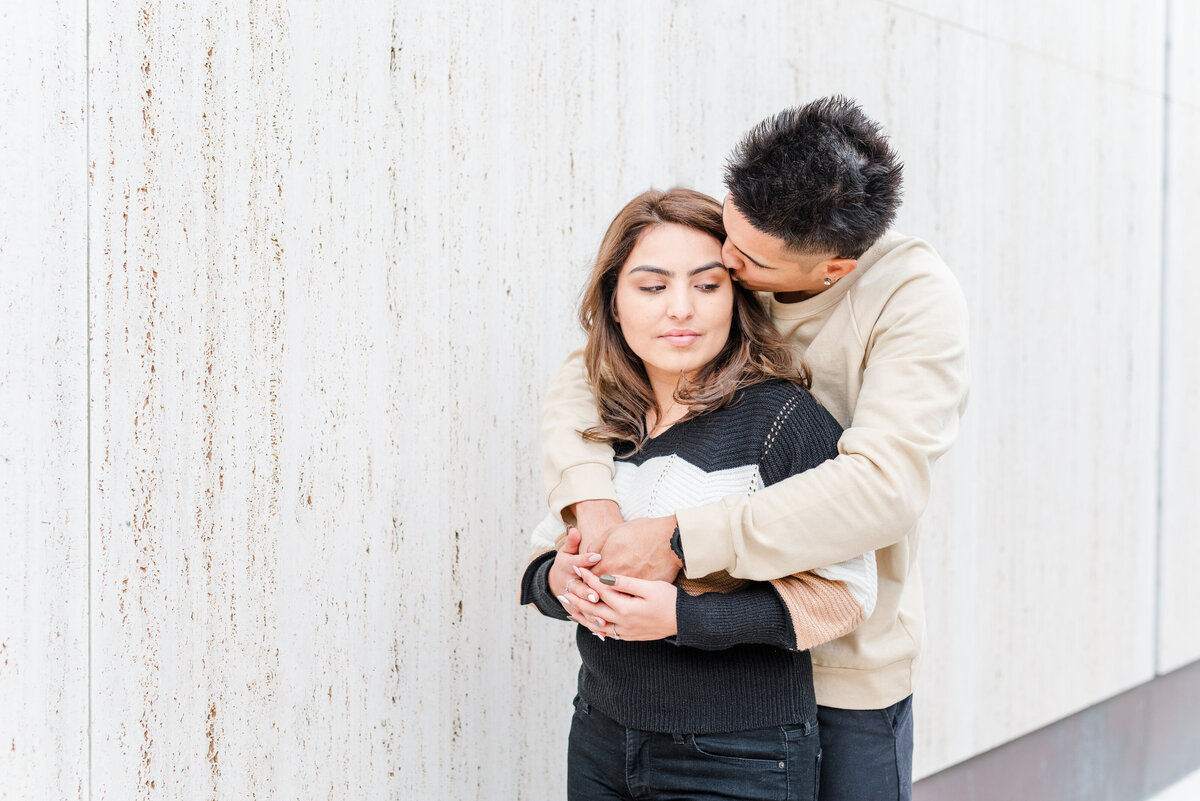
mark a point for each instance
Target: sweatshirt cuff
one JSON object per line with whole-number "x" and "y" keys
{"x": 707, "y": 539}
{"x": 582, "y": 482}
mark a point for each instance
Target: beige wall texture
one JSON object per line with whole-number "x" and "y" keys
{"x": 284, "y": 283}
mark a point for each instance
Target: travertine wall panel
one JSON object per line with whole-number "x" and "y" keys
{"x": 336, "y": 252}
{"x": 1179, "y": 592}
{"x": 1048, "y": 501}
{"x": 43, "y": 403}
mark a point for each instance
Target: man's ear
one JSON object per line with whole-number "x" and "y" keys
{"x": 838, "y": 268}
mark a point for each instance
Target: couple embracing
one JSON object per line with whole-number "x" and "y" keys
{"x": 741, "y": 453}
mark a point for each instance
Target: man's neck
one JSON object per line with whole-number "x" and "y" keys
{"x": 794, "y": 297}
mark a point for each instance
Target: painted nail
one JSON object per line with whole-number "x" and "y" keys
{"x": 598, "y": 634}
{"x": 578, "y": 572}
{"x": 607, "y": 579}
{"x": 594, "y": 558}
{"x": 593, "y": 597}
{"x": 563, "y": 600}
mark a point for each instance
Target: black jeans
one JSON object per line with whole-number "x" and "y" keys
{"x": 608, "y": 762}
{"x": 867, "y": 753}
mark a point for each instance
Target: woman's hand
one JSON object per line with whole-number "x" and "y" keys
{"x": 565, "y": 583}
{"x": 626, "y": 608}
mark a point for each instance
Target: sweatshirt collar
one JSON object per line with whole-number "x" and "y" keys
{"x": 832, "y": 296}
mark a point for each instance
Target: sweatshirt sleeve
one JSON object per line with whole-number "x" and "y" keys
{"x": 573, "y": 468}
{"x": 913, "y": 392}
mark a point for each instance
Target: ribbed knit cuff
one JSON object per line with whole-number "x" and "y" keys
{"x": 715, "y": 621}
{"x": 534, "y": 590}
{"x": 582, "y": 482}
{"x": 707, "y": 539}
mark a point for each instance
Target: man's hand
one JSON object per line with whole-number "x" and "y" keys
{"x": 595, "y": 519}
{"x": 641, "y": 548}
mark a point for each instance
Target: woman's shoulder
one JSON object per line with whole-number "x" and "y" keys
{"x": 785, "y": 407}
{"x": 772, "y": 394}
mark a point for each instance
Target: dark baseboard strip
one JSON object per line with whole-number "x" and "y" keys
{"x": 1127, "y": 748}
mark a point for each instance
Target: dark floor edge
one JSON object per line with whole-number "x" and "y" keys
{"x": 1126, "y": 748}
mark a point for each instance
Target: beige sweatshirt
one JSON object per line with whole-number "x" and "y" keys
{"x": 887, "y": 345}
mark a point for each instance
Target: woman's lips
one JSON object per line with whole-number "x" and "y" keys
{"x": 680, "y": 337}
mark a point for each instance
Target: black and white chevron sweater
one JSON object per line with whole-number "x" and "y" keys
{"x": 739, "y": 660}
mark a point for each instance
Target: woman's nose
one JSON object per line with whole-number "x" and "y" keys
{"x": 680, "y": 307}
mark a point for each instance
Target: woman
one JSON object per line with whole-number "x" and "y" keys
{"x": 699, "y": 689}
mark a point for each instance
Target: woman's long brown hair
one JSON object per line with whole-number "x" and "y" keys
{"x": 754, "y": 352}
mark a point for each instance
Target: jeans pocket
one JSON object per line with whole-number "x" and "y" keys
{"x": 766, "y": 748}
{"x": 804, "y": 764}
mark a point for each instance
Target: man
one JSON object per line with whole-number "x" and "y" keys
{"x": 882, "y": 323}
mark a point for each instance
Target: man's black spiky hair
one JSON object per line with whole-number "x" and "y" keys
{"x": 821, "y": 177}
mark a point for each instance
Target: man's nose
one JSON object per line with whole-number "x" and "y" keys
{"x": 730, "y": 257}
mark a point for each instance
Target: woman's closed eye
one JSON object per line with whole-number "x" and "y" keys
{"x": 652, "y": 289}
{"x": 708, "y": 287}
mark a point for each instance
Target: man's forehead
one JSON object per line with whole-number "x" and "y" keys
{"x": 757, "y": 246}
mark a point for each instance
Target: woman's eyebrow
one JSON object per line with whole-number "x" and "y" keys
{"x": 668, "y": 274}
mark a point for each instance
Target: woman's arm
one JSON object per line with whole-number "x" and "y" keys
{"x": 794, "y": 613}
{"x": 806, "y": 608}
{"x": 534, "y": 586}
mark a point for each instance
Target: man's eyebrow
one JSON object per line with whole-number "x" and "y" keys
{"x": 668, "y": 274}
{"x": 751, "y": 259}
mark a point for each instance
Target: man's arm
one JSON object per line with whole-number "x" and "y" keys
{"x": 573, "y": 469}
{"x": 913, "y": 393}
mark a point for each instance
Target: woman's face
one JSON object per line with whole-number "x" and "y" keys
{"x": 674, "y": 301}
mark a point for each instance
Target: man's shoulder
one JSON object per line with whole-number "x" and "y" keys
{"x": 897, "y": 258}
{"x": 905, "y": 269}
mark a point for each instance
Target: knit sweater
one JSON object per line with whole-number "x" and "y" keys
{"x": 739, "y": 659}
{"x": 887, "y": 345}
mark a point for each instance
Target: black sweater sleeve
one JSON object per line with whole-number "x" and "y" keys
{"x": 804, "y": 435}
{"x": 534, "y": 589}
{"x": 714, "y": 621}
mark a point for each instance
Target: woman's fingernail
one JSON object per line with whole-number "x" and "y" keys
{"x": 594, "y": 558}
{"x": 578, "y": 572}
{"x": 598, "y": 635}
{"x": 607, "y": 579}
{"x": 593, "y": 597}
{"x": 563, "y": 600}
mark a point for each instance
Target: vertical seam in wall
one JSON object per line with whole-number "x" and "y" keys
{"x": 1164, "y": 233}
{"x": 87, "y": 330}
